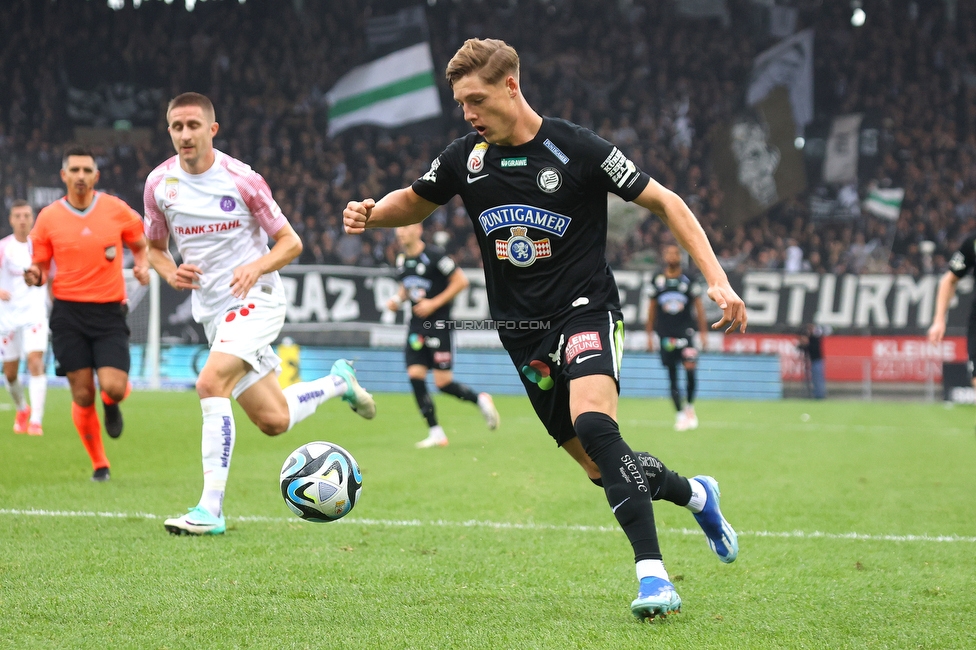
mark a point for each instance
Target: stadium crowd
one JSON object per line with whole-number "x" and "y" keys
{"x": 651, "y": 81}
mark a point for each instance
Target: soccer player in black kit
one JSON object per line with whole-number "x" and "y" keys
{"x": 962, "y": 262}
{"x": 673, "y": 295}
{"x": 536, "y": 191}
{"x": 430, "y": 280}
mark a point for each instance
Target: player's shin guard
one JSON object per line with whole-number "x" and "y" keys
{"x": 90, "y": 430}
{"x": 692, "y": 374}
{"x": 37, "y": 386}
{"x": 304, "y": 397}
{"x": 675, "y": 390}
{"x": 624, "y": 481}
{"x": 664, "y": 484}
{"x": 217, "y": 446}
{"x": 424, "y": 402}
{"x": 460, "y": 391}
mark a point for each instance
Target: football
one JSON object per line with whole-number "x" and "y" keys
{"x": 321, "y": 482}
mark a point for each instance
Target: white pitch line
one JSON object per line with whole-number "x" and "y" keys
{"x": 501, "y": 525}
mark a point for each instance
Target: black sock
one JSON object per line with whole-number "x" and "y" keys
{"x": 423, "y": 401}
{"x": 597, "y": 481}
{"x": 460, "y": 391}
{"x": 692, "y": 384}
{"x": 664, "y": 484}
{"x": 624, "y": 481}
{"x": 675, "y": 391}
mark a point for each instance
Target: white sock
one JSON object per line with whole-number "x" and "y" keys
{"x": 38, "y": 394}
{"x": 17, "y": 393}
{"x": 217, "y": 446}
{"x": 652, "y": 569}
{"x": 437, "y": 431}
{"x": 698, "y": 496}
{"x": 303, "y": 398}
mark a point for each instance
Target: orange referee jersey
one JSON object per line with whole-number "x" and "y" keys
{"x": 86, "y": 247}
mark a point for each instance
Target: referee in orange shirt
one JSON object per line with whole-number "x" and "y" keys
{"x": 83, "y": 234}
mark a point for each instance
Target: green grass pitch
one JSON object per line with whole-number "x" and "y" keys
{"x": 498, "y": 540}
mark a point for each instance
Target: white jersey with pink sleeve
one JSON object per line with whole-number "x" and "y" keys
{"x": 220, "y": 219}
{"x": 27, "y": 305}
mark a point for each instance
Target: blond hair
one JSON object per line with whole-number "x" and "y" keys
{"x": 491, "y": 58}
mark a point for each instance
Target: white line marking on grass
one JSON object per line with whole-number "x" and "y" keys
{"x": 501, "y": 525}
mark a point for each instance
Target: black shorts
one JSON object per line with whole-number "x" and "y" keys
{"x": 89, "y": 335}
{"x": 435, "y": 351}
{"x": 675, "y": 351}
{"x": 588, "y": 344}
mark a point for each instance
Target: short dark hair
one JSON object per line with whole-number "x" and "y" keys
{"x": 20, "y": 203}
{"x": 193, "y": 99}
{"x": 77, "y": 150}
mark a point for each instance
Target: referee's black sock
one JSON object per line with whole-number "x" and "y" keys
{"x": 692, "y": 383}
{"x": 423, "y": 401}
{"x": 624, "y": 481}
{"x": 664, "y": 484}
{"x": 460, "y": 391}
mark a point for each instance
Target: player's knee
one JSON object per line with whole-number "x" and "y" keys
{"x": 10, "y": 375}
{"x": 210, "y": 386}
{"x": 83, "y": 396}
{"x": 596, "y": 431}
{"x": 272, "y": 424}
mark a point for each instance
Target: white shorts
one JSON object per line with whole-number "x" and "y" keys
{"x": 246, "y": 331}
{"x": 16, "y": 343}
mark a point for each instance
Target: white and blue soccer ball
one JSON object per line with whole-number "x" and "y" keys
{"x": 321, "y": 482}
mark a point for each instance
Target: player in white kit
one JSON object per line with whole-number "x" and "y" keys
{"x": 220, "y": 213}
{"x": 23, "y": 322}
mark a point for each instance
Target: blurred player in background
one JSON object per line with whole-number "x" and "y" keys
{"x": 23, "y": 322}
{"x": 83, "y": 235}
{"x": 536, "y": 191}
{"x": 669, "y": 315}
{"x": 221, "y": 213}
{"x": 962, "y": 262}
{"x": 430, "y": 280}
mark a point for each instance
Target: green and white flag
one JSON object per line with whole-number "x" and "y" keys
{"x": 396, "y": 89}
{"x": 885, "y": 203}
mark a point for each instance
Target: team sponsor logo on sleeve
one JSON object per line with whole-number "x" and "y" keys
{"x": 958, "y": 262}
{"x": 521, "y": 250}
{"x": 514, "y": 214}
{"x": 514, "y": 162}
{"x": 549, "y": 180}
{"x": 582, "y": 342}
{"x": 476, "y": 159}
{"x": 431, "y": 175}
{"x": 619, "y": 168}
{"x": 555, "y": 151}
{"x": 172, "y": 190}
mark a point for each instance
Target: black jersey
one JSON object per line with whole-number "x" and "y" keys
{"x": 540, "y": 214}
{"x": 675, "y": 298}
{"x": 963, "y": 261}
{"x": 425, "y": 276}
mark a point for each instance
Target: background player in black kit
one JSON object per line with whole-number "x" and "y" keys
{"x": 673, "y": 296}
{"x": 963, "y": 261}
{"x": 430, "y": 280}
{"x": 536, "y": 190}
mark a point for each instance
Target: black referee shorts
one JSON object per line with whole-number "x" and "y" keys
{"x": 588, "y": 344}
{"x": 89, "y": 335}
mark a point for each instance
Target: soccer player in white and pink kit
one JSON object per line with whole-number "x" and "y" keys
{"x": 23, "y": 322}
{"x": 221, "y": 213}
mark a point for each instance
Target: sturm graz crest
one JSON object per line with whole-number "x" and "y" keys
{"x": 520, "y": 250}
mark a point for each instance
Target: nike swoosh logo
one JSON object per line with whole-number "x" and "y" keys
{"x": 614, "y": 509}
{"x": 472, "y": 179}
{"x": 582, "y": 359}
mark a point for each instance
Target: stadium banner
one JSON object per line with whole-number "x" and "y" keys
{"x": 756, "y": 160}
{"x": 840, "y": 160}
{"x": 393, "y": 89}
{"x": 704, "y": 9}
{"x": 884, "y": 359}
{"x": 885, "y": 203}
{"x": 341, "y": 305}
{"x": 789, "y": 63}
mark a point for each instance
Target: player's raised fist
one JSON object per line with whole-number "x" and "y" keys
{"x": 356, "y": 214}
